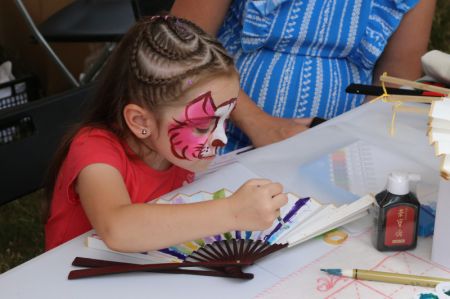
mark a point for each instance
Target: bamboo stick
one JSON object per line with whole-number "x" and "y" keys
{"x": 412, "y": 99}
{"x": 422, "y": 86}
{"x": 411, "y": 109}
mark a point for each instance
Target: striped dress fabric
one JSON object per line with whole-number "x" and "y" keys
{"x": 296, "y": 57}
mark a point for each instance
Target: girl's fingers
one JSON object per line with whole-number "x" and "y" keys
{"x": 274, "y": 188}
{"x": 279, "y": 200}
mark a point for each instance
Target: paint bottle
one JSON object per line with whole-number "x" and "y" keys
{"x": 396, "y": 214}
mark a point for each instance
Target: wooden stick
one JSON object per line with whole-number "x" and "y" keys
{"x": 422, "y": 86}
{"x": 411, "y": 109}
{"x": 95, "y": 263}
{"x": 412, "y": 99}
{"x": 101, "y": 267}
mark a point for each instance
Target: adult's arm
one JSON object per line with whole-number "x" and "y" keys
{"x": 209, "y": 15}
{"x": 401, "y": 57}
{"x": 262, "y": 128}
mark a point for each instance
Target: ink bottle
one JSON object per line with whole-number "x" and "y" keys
{"x": 396, "y": 214}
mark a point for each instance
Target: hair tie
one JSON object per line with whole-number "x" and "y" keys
{"x": 165, "y": 17}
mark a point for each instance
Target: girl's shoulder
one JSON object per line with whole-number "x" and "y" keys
{"x": 95, "y": 133}
{"x": 96, "y": 145}
{"x": 93, "y": 139}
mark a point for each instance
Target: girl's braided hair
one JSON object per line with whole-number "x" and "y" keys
{"x": 169, "y": 54}
{"x": 155, "y": 63}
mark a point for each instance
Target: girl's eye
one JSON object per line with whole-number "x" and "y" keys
{"x": 201, "y": 130}
{"x": 203, "y": 127}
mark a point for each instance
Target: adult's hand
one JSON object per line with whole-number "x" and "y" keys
{"x": 262, "y": 128}
{"x": 274, "y": 129}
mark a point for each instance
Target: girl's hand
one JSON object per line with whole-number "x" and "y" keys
{"x": 256, "y": 204}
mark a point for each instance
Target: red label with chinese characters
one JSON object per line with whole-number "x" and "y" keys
{"x": 400, "y": 226}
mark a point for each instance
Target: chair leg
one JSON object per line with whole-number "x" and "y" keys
{"x": 95, "y": 68}
{"x": 43, "y": 42}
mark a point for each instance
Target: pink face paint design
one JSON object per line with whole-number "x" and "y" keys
{"x": 201, "y": 130}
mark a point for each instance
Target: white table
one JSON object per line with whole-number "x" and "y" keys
{"x": 46, "y": 275}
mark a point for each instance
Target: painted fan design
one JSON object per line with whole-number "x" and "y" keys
{"x": 224, "y": 258}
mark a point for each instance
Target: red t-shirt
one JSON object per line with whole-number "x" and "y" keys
{"x": 67, "y": 218}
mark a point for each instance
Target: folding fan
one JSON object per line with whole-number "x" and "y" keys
{"x": 224, "y": 258}
{"x": 226, "y": 254}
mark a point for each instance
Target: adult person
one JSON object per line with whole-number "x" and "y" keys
{"x": 296, "y": 57}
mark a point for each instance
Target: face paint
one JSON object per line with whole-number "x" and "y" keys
{"x": 218, "y": 135}
{"x": 201, "y": 129}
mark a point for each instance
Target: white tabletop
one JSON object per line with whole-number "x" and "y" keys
{"x": 293, "y": 272}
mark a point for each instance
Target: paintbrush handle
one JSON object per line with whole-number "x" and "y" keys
{"x": 424, "y": 281}
{"x": 373, "y": 90}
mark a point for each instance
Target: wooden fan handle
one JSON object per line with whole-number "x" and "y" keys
{"x": 102, "y": 267}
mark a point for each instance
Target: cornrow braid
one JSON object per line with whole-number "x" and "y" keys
{"x": 169, "y": 49}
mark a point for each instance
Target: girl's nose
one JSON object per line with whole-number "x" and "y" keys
{"x": 219, "y": 138}
{"x": 217, "y": 143}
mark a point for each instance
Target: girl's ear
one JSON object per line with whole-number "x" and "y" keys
{"x": 140, "y": 121}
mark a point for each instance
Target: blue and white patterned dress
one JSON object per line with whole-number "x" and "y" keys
{"x": 296, "y": 57}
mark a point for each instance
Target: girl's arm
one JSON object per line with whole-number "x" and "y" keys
{"x": 142, "y": 227}
{"x": 401, "y": 57}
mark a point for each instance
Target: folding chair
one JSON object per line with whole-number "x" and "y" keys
{"x": 82, "y": 21}
{"x": 90, "y": 21}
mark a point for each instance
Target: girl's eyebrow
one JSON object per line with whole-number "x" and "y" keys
{"x": 202, "y": 118}
{"x": 227, "y": 102}
{"x": 197, "y": 119}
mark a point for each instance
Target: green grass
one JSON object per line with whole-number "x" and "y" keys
{"x": 21, "y": 228}
{"x": 440, "y": 33}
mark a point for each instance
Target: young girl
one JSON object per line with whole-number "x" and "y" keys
{"x": 159, "y": 115}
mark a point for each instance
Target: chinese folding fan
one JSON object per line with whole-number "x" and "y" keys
{"x": 226, "y": 254}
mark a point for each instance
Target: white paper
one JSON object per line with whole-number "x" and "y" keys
{"x": 438, "y": 134}
{"x": 441, "y": 109}
{"x": 442, "y": 148}
{"x": 441, "y": 241}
